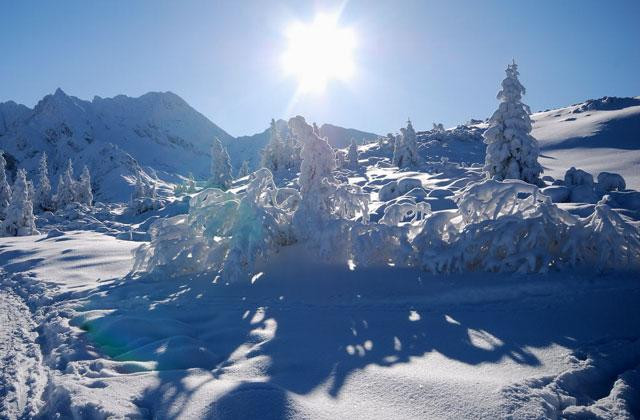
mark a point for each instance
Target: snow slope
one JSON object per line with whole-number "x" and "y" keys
{"x": 349, "y": 344}
{"x": 597, "y": 135}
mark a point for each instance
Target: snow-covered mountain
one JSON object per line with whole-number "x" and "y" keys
{"x": 116, "y": 137}
{"x": 596, "y": 135}
{"x": 156, "y": 134}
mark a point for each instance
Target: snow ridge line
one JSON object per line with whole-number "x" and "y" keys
{"x": 23, "y": 375}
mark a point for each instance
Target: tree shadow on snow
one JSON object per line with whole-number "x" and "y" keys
{"x": 295, "y": 339}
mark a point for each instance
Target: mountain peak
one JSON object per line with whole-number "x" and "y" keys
{"x": 59, "y": 92}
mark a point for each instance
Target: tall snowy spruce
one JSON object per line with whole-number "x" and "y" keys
{"x": 352, "y": 155}
{"x": 220, "y": 166}
{"x": 5, "y": 189}
{"x": 244, "y": 169}
{"x": 66, "y": 192}
{"x": 512, "y": 153}
{"x": 405, "y": 151}
{"x": 273, "y": 155}
{"x": 19, "y": 220}
{"x": 83, "y": 188}
{"x": 42, "y": 200}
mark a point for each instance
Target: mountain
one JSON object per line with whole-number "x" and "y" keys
{"x": 596, "y": 135}
{"x": 341, "y": 137}
{"x": 155, "y": 135}
{"x": 116, "y": 137}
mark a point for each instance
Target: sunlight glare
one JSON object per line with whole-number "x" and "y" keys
{"x": 318, "y": 52}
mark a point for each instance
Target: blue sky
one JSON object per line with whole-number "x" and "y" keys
{"x": 433, "y": 61}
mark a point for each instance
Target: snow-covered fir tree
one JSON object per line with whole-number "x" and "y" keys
{"x": 244, "y": 169}
{"x": 511, "y": 150}
{"x": 274, "y": 156}
{"x": 42, "y": 200}
{"x": 352, "y": 155}
{"x": 83, "y": 188}
{"x": 31, "y": 190}
{"x": 220, "y": 166}
{"x": 405, "y": 151}
{"x": 5, "y": 189}
{"x": 19, "y": 220}
{"x": 316, "y": 178}
{"x": 66, "y": 192}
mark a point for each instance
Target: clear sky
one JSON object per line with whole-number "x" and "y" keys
{"x": 433, "y": 61}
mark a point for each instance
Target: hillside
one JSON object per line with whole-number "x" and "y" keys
{"x": 596, "y": 135}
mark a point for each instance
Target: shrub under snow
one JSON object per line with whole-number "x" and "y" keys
{"x": 223, "y": 231}
{"x": 511, "y": 226}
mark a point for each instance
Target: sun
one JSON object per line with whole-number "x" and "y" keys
{"x": 319, "y": 52}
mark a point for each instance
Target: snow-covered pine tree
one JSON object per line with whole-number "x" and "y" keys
{"x": 405, "y": 151}
{"x": 352, "y": 155}
{"x": 5, "y": 189}
{"x": 244, "y": 169}
{"x": 31, "y": 190}
{"x": 139, "y": 190}
{"x": 274, "y": 155}
{"x": 190, "y": 183}
{"x": 19, "y": 220}
{"x": 511, "y": 150}
{"x": 42, "y": 200}
{"x": 66, "y": 187}
{"x": 316, "y": 179}
{"x": 83, "y": 188}
{"x": 220, "y": 166}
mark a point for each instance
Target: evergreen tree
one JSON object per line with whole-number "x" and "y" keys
{"x": 318, "y": 159}
{"x": 405, "y": 151}
{"x": 352, "y": 156}
{"x": 19, "y": 220}
{"x": 42, "y": 200}
{"x": 511, "y": 150}
{"x": 5, "y": 189}
{"x": 220, "y": 166}
{"x": 273, "y": 155}
{"x": 244, "y": 169}
{"x": 139, "y": 190}
{"x": 65, "y": 193}
{"x": 83, "y": 188}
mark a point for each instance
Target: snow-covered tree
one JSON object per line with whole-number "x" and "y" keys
{"x": 5, "y": 189}
{"x": 352, "y": 155}
{"x": 42, "y": 200}
{"x": 19, "y": 220}
{"x": 273, "y": 155}
{"x": 220, "y": 166}
{"x": 190, "y": 183}
{"x": 65, "y": 193}
{"x": 511, "y": 150}
{"x": 83, "y": 188}
{"x": 31, "y": 190}
{"x": 405, "y": 151}
{"x": 244, "y": 169}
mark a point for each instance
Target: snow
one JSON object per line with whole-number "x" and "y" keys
{"x": 346, "y": 345}
{"x": 357, "y": 291}
{"x": 593, "y": 140}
